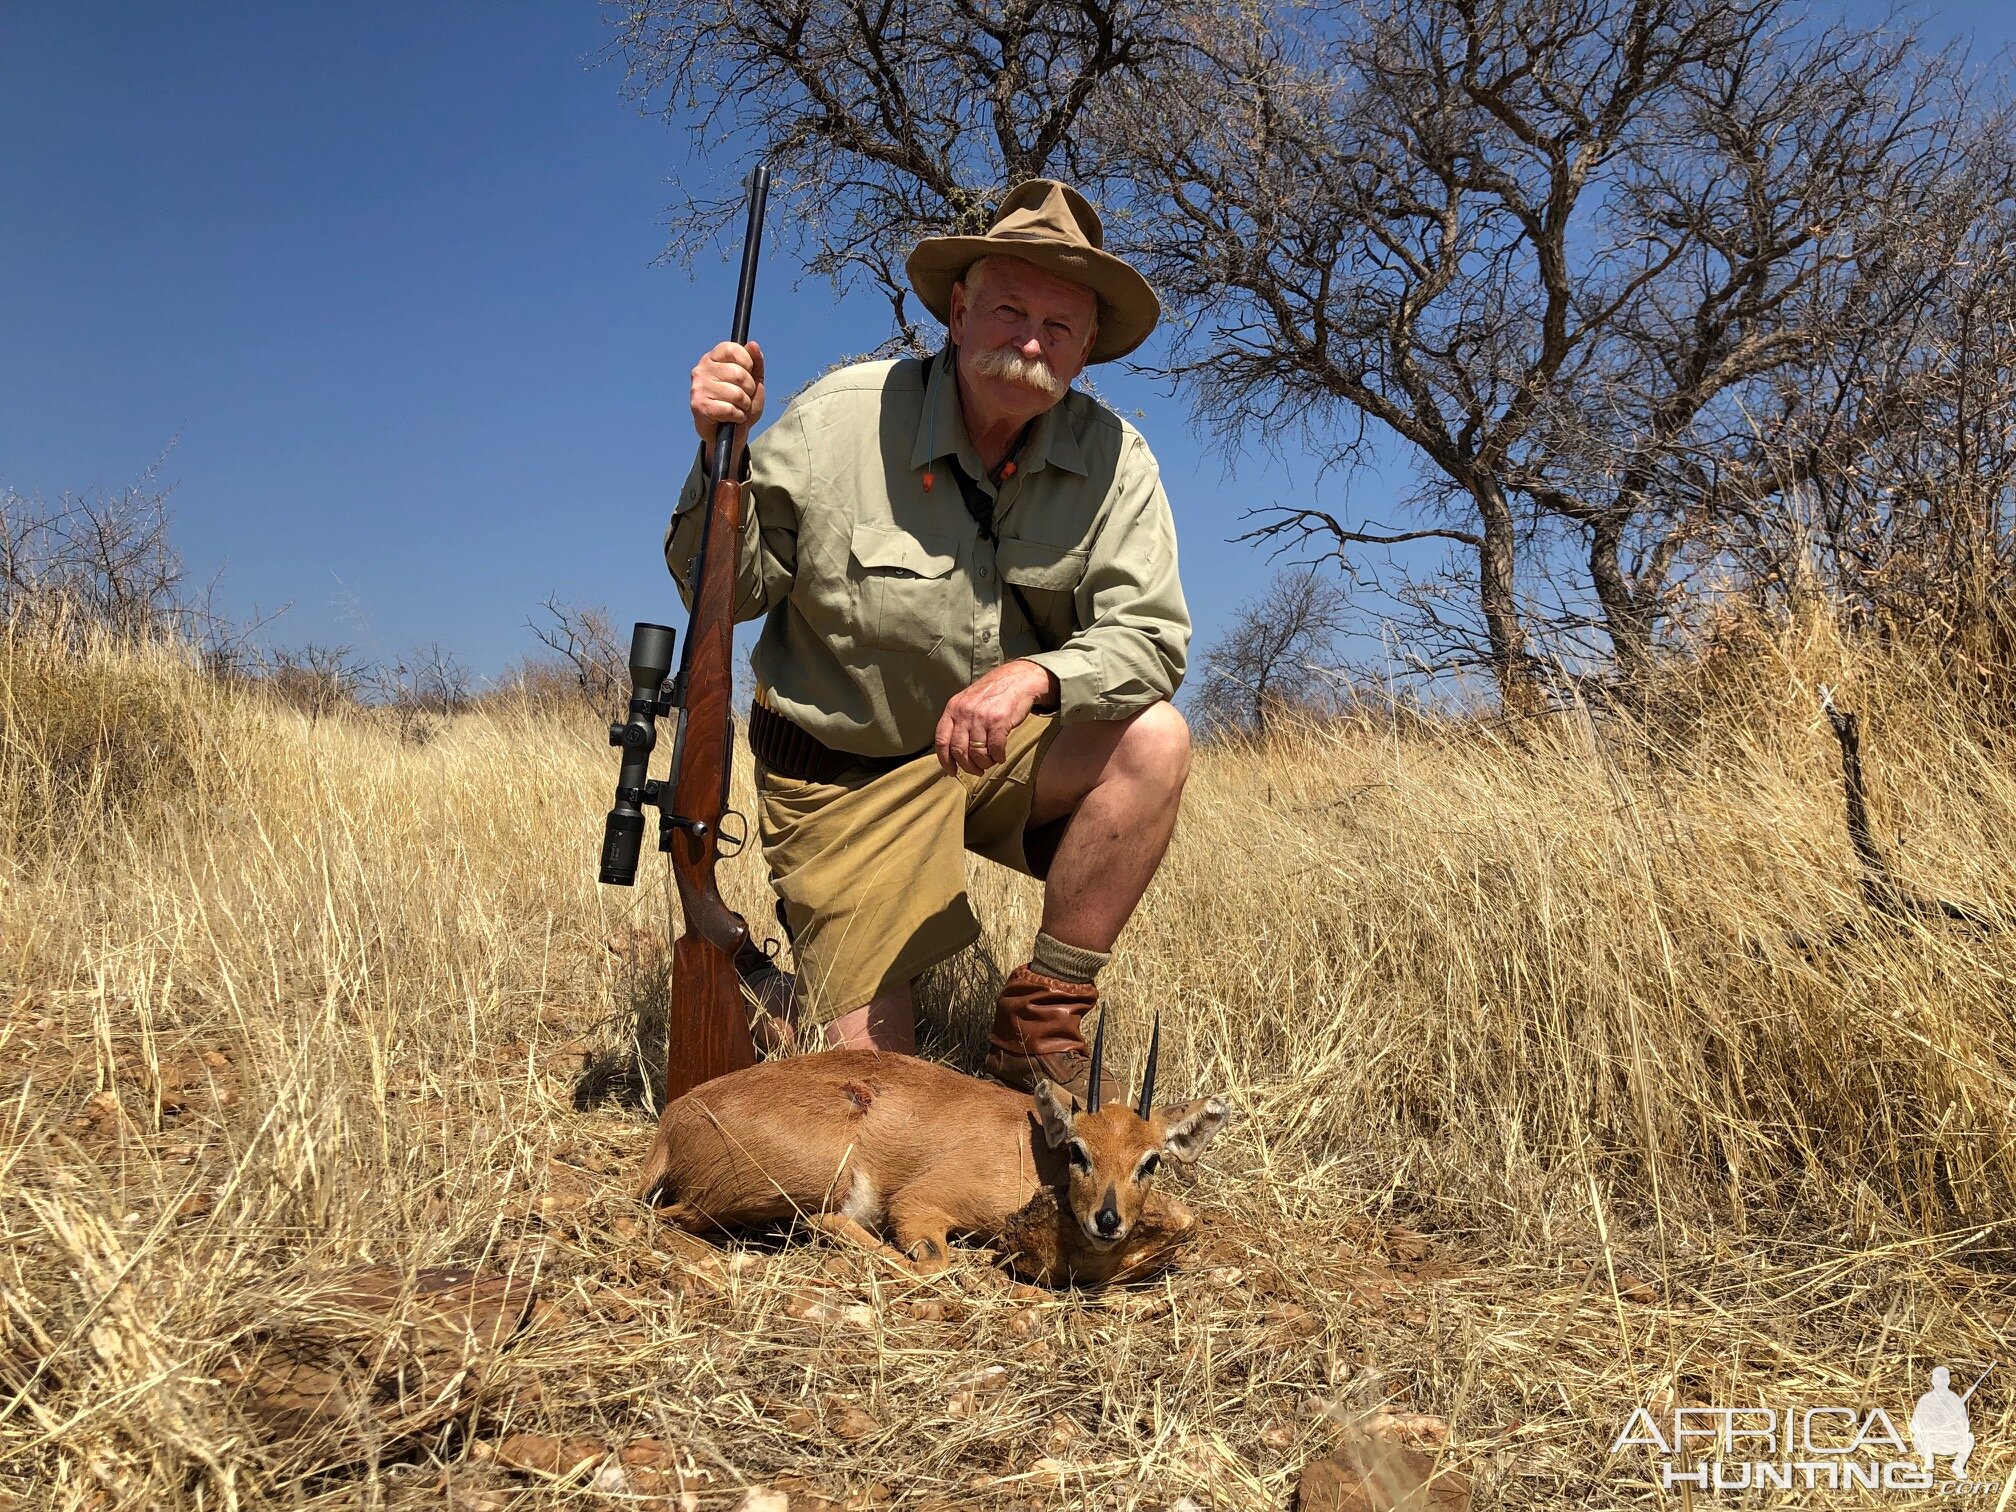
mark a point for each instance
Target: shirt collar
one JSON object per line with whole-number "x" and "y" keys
{"x": 941, "y": 429}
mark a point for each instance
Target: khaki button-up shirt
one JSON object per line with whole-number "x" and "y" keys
{"x": 883, "y": 598}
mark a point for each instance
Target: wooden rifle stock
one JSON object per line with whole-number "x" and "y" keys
{"x": 707, "y": 1028}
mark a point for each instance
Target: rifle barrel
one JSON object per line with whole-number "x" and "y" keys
{"x": 721, "y": 459}
{"x": 752, "y": 239}
{"x": 1978, "y": 1380}
{"x": 745, "y": 299}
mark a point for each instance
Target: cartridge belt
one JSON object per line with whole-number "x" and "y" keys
{"x": 792, "y": 751}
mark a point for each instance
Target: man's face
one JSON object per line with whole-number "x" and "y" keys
{"x": 1023, "y": 334}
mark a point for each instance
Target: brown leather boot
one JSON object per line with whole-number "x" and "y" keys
{"x": 1037, "y": 1033}
{"x": 775, "y": 1025}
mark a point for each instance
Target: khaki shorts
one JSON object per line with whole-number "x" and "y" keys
{"x": 872, "y": 868}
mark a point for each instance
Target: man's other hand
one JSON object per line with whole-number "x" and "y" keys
{"x": 727, "y": 389}
{"x": 973, "y": 731}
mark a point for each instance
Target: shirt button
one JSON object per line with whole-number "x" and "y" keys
{"x": 986, "y": 574}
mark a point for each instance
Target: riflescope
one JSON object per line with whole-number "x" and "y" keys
{"x": 650, "y": 700}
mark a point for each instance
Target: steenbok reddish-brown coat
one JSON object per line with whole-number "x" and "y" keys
{"x": 862, "y": 1143}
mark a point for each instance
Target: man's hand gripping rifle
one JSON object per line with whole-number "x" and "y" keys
{"x": 707, "y": 1028}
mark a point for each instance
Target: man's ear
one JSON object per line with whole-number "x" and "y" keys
{"x": 955, "y": 316}
{"x": 1187, "y": 1129}
{"x": 1056, "y": 1108}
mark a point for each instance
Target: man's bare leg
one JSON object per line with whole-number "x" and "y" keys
{"x": 1119, "y": 781}
{"x": 887, "y": 1023}
{"x": 1115, "y": 786}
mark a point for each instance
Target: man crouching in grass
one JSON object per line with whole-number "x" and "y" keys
{"x": 973, "y": 627}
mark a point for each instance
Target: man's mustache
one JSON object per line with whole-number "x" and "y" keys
{"x": 1031, "y": 372}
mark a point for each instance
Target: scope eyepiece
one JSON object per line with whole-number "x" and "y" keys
{"x": 622, "y": 838}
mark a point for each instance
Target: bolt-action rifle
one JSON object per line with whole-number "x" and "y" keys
{"x": 707, "y": 1027}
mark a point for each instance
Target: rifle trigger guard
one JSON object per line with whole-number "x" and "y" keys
{"x": 724, "y": 837}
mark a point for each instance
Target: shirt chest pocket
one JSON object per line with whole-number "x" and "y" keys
{"x": 1047, "y": 577}
{"x": 905, "y": 585}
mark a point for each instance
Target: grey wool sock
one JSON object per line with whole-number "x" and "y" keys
{"x": 1066, "y": 963}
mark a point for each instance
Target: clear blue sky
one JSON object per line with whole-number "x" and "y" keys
{"x": 385, "y": 274}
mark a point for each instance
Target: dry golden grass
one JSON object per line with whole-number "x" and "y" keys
{"x": 1572, "y": 1075}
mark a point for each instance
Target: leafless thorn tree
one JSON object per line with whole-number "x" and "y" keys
{"x": 892, "y": 121}
{"x": 1275, "y": 655}
{"x": 316, "y": 679}
{"x": 585, "y": 641}
{"x": 1886, "y": 475}
{"x": 100, "y": 560}
{"x": 1540, "y": 241}
{"x": 421, "y": 690}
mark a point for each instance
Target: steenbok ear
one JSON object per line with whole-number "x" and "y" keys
{"x": 1056, "y": 1107}
{"x": 1186, "y": 1130}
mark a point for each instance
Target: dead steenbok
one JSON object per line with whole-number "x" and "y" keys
{"x": 860, "y": 1143}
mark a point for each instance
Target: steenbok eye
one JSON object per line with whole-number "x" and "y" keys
{"x": 1079, "y": 1157}
{"x": 1149, "y": 1166}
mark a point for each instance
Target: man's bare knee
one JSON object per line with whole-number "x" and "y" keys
{"x": 1154, "y": 750}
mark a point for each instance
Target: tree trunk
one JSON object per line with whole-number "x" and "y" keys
{"x": 1624, "y": 618}
{"x": 1504, "y": 632}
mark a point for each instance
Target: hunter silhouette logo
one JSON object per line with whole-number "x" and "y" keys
{"x": 1939, "y": 1422}
{"x": 1812, "y": 1447}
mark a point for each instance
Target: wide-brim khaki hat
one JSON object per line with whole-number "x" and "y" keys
{"x": 1051, "y": 225}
